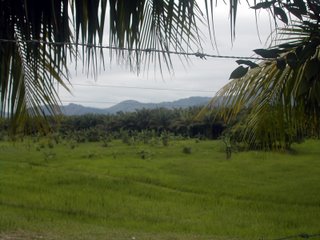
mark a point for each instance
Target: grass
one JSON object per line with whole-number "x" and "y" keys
{"x": 155, "y": 192}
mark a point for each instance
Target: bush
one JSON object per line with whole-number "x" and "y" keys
{"x": 125, "y": 137}
{"x": 93, "y": 135}
{"x": 73, "y": 144}
{"x": 165, "y": 138}
{"x": 186, "y": 150}
{"x": 79, "y": 136}
{"x": 145, "y": 154}
{"x": 154, "y": 141}
{"x": 106, "y": 139}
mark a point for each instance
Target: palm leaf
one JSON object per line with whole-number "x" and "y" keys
{"x": 30, "y": 68}
{"x": 283, "y": 101}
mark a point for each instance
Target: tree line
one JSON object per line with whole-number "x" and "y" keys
{"x": 161, "y": 123}
{"x": 93, "y": 127}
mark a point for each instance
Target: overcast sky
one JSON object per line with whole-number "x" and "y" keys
{"x": 199, "y": 78}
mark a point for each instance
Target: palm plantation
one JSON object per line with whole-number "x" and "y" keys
{"x": 38, "y": 38}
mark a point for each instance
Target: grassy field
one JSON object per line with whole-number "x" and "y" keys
{"x": 155, "y": 192}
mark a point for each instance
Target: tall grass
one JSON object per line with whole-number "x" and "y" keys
{"x": 95, "y": 192}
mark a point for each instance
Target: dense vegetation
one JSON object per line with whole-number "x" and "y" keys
{"x": 148, "y": 122}
{"x": 145, "y": 125}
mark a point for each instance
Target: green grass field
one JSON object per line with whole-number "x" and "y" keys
{"x": 155, "y": 192}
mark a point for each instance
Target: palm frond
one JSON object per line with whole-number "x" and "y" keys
{"x": 155, "y": 25}
{"x": 29, "y": 70}
{"x": 282, "y": 94}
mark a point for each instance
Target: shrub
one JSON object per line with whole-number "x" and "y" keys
{"x": 73, "y": 144}
{"x": 186, "y": 150}
{"x": 106, "y": 139}
{"x": 93, "y": 135}
{"x": 165, "y": 138}
{"x": 125, "y": 137}
{"x": 144, "y": 154}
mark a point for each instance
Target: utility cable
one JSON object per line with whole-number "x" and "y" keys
{"x": 145, "y": 50}
{"x": 142, "y": 88}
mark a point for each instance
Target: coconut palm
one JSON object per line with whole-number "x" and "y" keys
{"x": 38, "y": 37}
{"x": 282, "y": 92}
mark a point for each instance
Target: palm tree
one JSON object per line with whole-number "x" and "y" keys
{"x": 161, "y": 119}
{"x": 282, "y": 92}
{"x": 37, "y": 38}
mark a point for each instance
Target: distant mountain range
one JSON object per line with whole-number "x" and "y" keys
{"x": 131, "y": 106}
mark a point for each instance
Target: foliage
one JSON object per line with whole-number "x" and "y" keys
{"x": 125, "y": 137}
{"x": 38, "y": 37}
{"x": 280, "y": 92}
{"x": 284, "y": 85}
{"x": 129, "y": 126}
{"x": 145, "y": 154}
{"x": 106, "y": 139}
{"x": 187, "y": 150}
{"x": 165, "y": 136}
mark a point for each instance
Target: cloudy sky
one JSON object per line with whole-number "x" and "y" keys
{"x": 198, "y": 78}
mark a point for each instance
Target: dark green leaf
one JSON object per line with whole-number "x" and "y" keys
{"x": 314, "y": 7}
{"x": 316, "y": 41}
{"x": 307, "y": 52}
{"x": 293, "y": 10}
{"x": 248, "y": 63}
{"x": 311, "y": 69}
{"x": 239, "y": 72}
{"x": 281, "y": 64}
{"x": 300, "y": 4}
{"x": 292, "y": 60}
{"x": 313, "y": 16}
{"x": 298, "y": 51}
{"x": 263, "y": 5}
{"x": 267, "y": 53}
{"x": 281, "y": 14}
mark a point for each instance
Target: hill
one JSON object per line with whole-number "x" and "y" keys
{"x": 131, "y": 105}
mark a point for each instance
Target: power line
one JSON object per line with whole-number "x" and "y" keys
{"x": 143, "y": 88}
{"x": 146, "y": 50}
